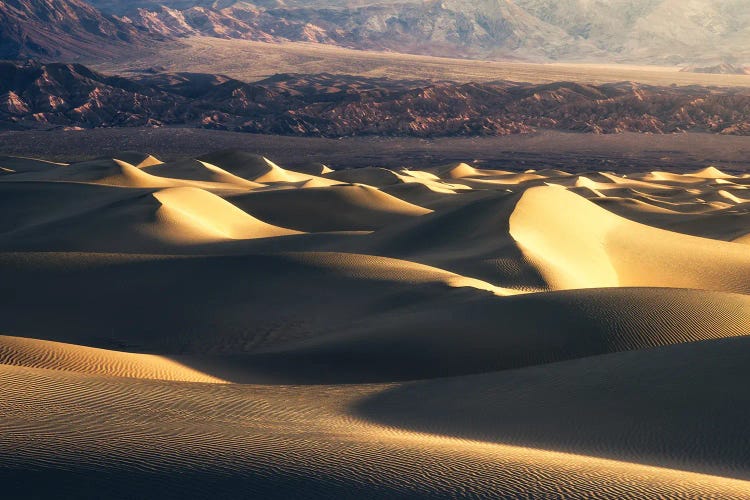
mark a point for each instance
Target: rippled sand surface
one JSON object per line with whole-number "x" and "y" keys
{"x": 226, "y": 327}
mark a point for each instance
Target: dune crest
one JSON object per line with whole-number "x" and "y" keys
{"x": 578, "y": 244}
{"x": 189, "y": 213}
{"x": 224, "y": 324}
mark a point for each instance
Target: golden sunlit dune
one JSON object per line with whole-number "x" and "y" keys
{"x": 261, "y": 169}
{"x": 225, "y": 324}
{"x": 576, "y": 244}
{"x": 196, "y": 170}
{"x": 191, "y": 214}
{"x": 75, "y": 358}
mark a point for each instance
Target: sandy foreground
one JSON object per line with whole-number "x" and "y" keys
{"x": 226, "y": 327}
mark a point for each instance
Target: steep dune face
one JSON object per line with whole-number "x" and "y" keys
{"x": 193, "y": 212}
{"x": 135, "y": 220}
{"x": 578, "y": 245}
{"x": 260, "y": 169}
{"x": 224, "y": 324}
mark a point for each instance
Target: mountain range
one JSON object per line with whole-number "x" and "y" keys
{"x": 36, "y": 96}
{"x": 64, "y": 29}
{"x": 701, "y": 32}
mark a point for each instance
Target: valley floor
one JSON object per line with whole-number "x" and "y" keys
{"x": 251, "y": 61}
{"x": 625, "y": 152}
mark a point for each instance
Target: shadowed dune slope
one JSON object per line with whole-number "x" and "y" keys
{"x": 128, "y": 221}
{"x": 33, "y": 353}
{"x": 226, "y": 326}
{"x": 471, "y": 238}
{"x": 336, "y": 208}
{"x": 33, "y": 203}
{"x": 172, "y": 305}
{"x": 469, "y": 334}
{"x": 12, "y": 165}
{"x": 316, "y": 317}
{"x": 680, "y": 406}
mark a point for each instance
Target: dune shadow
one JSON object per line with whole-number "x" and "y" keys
{"x": 682, "y": 407}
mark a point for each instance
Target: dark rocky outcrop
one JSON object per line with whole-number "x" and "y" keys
{"x": 34, "y": 95}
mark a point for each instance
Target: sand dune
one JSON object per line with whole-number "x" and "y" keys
{"x": 261, "y": 169}
{"x": 203, "y": 327}
{"x": 208, "y": 440}
{"x": 498, "y": 333}
{"x": 192, "y": 214}
{"x": 346, "y": 207}
{"x": 666, "y": 407}
{"x": 138, "y": 220}
{"x": 372, "y": 176}
{"x": 196, "y": 170}
{"x": 470, "y": 238}
{"x": 577, "y": 244}
{"x": 11, "y": 164}
{"x": 34, "y": 353}
{"x": 711, "y": 173}
{"x": 168, "y": 305}
{"x": 110, "y": 172}
{"x": 115, "y": 172}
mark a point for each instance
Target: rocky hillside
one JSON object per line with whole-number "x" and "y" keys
{"x": 63, "y": 29}
{"x": 479, "y": 28}
{"x": 57, "y": 95}
{"x": 654, "y": 31}
{"x": 690, "y": 32}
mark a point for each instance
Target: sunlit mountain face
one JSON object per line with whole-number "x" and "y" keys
{"x": 664, "y": 31}
{"x": 640, "y": 31}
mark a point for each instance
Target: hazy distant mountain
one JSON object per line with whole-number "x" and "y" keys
{"x": 719, "y": 69}
{"x": 61, "y": 29}
{"x": 695, "y": 32}
{"x": 477, "y": 28}
{"x": 666, "y": 31}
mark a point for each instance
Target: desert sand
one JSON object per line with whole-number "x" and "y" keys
{"x": 228, "y": 327}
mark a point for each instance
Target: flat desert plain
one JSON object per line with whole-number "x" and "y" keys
{"x": 251, "y": 61}
{"x": 226, "y": 327}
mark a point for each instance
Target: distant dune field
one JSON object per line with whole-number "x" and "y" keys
{"x": 227, "y": 326}
{"x": 251, "y": 61}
